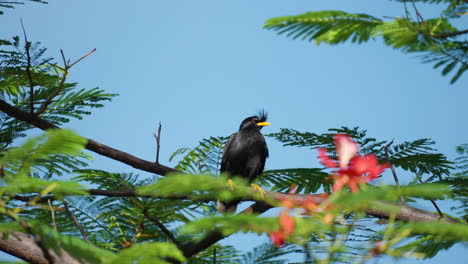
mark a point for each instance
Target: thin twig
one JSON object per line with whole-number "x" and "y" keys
{"x": 420, "y": 18}
{"x": 54, "y": 224}
{"x": 308, "y": 255}
{"x": 392, "y": 168}
{"x": 432, "y": 201}
{"x": 166, "y": 231}
{"x": 78, "y": 60}
{"x": 98, "y": 223}
{"x": 49, "y": 99}
{"x": 158, "y": 142}
{"x": 145, "y": 212}
{"x": 78, "y": 224}
{"x": 61, "y": 85}
{"x": 27, "y": 47}
{"x": 214, "y": 255}
{"x": 406, "y": 10}
{"x": 65, "y": 63}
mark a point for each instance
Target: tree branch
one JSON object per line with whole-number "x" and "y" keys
{"x": 22, "y": 246}
{"x": 38, "y": 240}
{"x": 452, "y": 34}
{"x": 92, "y": 145}
{"x": 166, "y": 231}
{"x": 407, "y": 213}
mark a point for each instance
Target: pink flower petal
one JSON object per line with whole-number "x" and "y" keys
{"x": 340, "y": 182}
{"x": 277, "y": 238}
{"x": 346, "y": 148}
{"x": 286, "y": 223}
{"x": 325, "y": 159}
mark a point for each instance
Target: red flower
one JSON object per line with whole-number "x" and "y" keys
{"x": 346, "y": 148}
{"x": 286, "y": 223}
{"x": 368, "y": 165}
{"x": 353, "y": 169}
{"x": 325, "y": 159}
{"x": 278, "y": 238}
{"x": 287, "y": 226}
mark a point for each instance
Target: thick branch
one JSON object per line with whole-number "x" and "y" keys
{"x": 193, "y": 248}
{"x": 24, "y": 247}
{"x": 407, "y": 213}
{"x": 92, "y": 145}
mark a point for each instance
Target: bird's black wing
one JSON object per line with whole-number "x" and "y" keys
{"x": 224, "y": 159}
{"x": 264, "y": 160}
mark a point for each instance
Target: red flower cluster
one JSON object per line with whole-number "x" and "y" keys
{"x": 309, "y": 206}
{"x": 287, "y": 225}
{"x": 352, "y": 168}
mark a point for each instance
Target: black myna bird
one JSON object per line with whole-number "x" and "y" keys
{"x": 244, "y": 154}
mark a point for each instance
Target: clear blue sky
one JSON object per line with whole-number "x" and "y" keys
{"x": 200, "y": 67}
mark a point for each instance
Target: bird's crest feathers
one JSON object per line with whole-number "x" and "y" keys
{"x": 262, "y": 115}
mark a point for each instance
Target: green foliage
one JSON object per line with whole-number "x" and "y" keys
{"x": 435, "y": 39}
{"x": 134, "y": 229}
{"x": 147, "y": 253}
{"x": 55, "y": 150}
{"x": 224, "y": 255}
{"x": 418, "y": 156}
{"x": 450, "y": 232}
{"x": 428, "y": 245}
{"x": 76, "y": 247}
{"x": 366, "y": 198}
{"x": 292, "y": 137}
{"x": 203, "y": 159}
{"x": 459, "y": 182}
{"x": 267, "y": 253}
{"x": 60, "y": 146}
{"x": 199, "y": 187}
{"x": 231, "y": 224}
{"x": 308, "y": 180}
{"x": 12, "y": 4}
{"x": 122, "y": 220}
{"x": 54, "y": 99}
{"x": 32, "y": 185}
{"x": 331, "y": 26}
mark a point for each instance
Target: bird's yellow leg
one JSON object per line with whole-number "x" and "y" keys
{"x": 230, "y": 184}
{"x": 258, "y": 189}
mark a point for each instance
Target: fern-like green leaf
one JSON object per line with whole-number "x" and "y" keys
{"x": 147, "y": 253}
{"x": 329, "y": 26}
{"x": 306, "y": 180}
{"x": 57, "y": 145}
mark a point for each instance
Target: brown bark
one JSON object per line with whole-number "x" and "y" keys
{"x": 24, "y": 247}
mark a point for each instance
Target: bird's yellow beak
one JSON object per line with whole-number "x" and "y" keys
{"x": 260, "y": 124}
